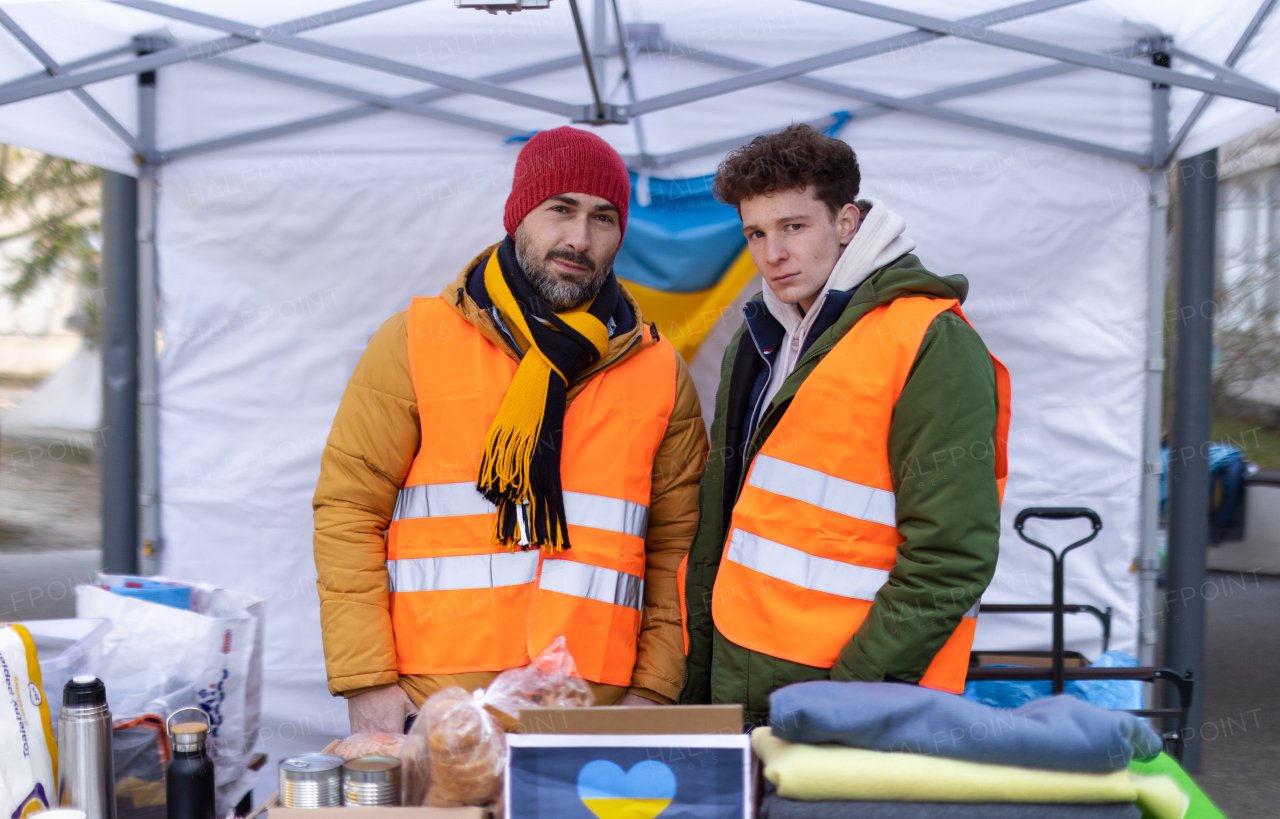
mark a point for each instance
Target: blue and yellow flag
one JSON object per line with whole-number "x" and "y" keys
{"x": 685, "y": 259}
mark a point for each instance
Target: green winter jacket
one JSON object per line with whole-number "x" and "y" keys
{"x": 943, "y": 465}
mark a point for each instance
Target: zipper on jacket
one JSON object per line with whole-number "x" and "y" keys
{"x": 756, "y": 409}
{"x": 506, "y": 333}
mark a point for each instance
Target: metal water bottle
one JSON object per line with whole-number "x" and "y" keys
{"x": 188, "y": 785}
{"x": 86, "y": 774}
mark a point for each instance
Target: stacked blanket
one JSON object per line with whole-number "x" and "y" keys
{"x": 1058, "y": 733}
{"x": 888, "y": 751}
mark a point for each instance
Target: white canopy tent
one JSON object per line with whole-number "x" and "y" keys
{"x": 304, "y": 173}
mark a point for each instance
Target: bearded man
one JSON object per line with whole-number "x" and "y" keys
{"x": 513, "y": 461}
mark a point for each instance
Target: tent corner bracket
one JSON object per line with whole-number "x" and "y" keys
{"x": 609, "y": 114}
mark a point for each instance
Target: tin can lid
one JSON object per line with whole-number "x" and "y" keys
{"x": 372, "y": 769}
{"x": 311, "y": 766}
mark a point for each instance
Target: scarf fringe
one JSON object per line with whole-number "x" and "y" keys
{"x": 510, "y": 476}
{"x": 513, "y": 439}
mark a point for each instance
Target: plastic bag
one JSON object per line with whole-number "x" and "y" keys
{"x": 27, "y": 744}
{"x": 465, "y": 749}
{"x": 358, "y": 745}
{"x": 550, "y": 681}
{"x": 156, "y": 658}
{"x": 456, "y": 750}
{"x": 1116, "y": 694}
{"x": 140, "y": 751}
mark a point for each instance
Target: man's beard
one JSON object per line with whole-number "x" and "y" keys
{"x": 559, "y": 295}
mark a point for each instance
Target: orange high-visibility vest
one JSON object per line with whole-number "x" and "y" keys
{"x": 814, "y": 532}
{"x": 460, "y": 602}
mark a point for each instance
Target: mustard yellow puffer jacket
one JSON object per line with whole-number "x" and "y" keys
{"x": 373, "y": 442}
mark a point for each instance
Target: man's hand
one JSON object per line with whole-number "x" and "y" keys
{"x": 380, "y": 711}
{"x": 634, "y": 699}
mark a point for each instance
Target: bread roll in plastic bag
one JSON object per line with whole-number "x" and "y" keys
{"x": 550, "y": 681}
{"x": 27, "y": 740}
{"x": 358, "y": 745}
{"x": 456, "y": 750}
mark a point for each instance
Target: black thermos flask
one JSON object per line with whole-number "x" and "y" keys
{"x": 188, "y": 783}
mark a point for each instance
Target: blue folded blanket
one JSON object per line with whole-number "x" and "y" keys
{"x": 1058, "y": 733}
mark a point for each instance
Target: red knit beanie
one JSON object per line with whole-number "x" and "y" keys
{"x": 566, "y": 160}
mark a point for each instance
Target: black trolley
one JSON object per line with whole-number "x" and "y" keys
{"x": 1057, "y": 671}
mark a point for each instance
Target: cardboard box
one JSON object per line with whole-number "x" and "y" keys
{"x": 701, "y": 743}
{"x": 633, "y": 762}
{"x": 274, "y": 810}
{"x": 631, "y": 721}
{"x": 379, "y": 813}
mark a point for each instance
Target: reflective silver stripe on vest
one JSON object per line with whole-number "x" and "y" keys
{"x": 592, "y": 582}
{"x": 823, "y": 490}
{"x": 462, "y": 571}
{"x": 803, "y": 569}
{"x": 446, "y": 500}
{"x": 441, "y": 500}
{"x": 610, "y": 514}
{"x": 973, "y": 610}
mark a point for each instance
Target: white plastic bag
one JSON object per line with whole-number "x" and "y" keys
{"x": 27, "y": 739}
{"x": 157, "y": 659}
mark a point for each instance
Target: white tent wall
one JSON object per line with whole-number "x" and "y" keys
{"x": 289, "y": 268}
{"x": 279, "y": 259}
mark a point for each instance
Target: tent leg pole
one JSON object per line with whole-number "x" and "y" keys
{"x": 1148, "y": 563}
{"x": 148, "y": 398}
{"x": 148, "y": 409}
{"x": 119, "y": 373}
{"x": 1149, "y": 557}
{"x": 1189, "y": 448}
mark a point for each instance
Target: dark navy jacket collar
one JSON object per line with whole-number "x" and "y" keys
{"x": 768, "y": 333}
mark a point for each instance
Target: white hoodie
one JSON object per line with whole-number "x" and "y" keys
{"x": 878, "y": 241}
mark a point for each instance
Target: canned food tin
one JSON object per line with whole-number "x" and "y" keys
{"x": 371, "y": 781}
{"x": 311, "y": 781}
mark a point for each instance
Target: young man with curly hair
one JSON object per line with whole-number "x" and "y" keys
{"x": 850, "y": 509}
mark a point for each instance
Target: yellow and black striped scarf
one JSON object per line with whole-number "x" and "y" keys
{"x": 520, "y": 468}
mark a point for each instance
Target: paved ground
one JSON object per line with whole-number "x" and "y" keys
{"x": 49, "y": 535}
{"x": 49, "y": 530}
{"x": 48, "y": 495}
{"x": 1241, "y": 730}
{"x": 40, "y": 585}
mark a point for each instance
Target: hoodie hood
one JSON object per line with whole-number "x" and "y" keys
{"x": 878, "y": 241}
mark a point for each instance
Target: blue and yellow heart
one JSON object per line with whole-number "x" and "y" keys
{"x": 640, "y": 793}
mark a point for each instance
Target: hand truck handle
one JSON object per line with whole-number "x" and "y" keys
{"x": 1057, "y": 513}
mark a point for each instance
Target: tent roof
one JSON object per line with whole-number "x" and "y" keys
{"x": 705, "y": 74}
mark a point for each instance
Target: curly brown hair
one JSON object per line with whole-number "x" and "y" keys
{"x": 796, "y": 157}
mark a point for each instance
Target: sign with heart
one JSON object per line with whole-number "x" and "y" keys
{"x": 640, "y": 793}
{"x": 568, "y": 776}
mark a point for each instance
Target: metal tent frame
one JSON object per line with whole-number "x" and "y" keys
{"x": 1149, "y": 58}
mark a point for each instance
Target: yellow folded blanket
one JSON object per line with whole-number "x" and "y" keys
{"x": 837, "y": 773}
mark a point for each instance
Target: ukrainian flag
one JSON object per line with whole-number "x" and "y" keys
{"x": 684, "y": 259}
